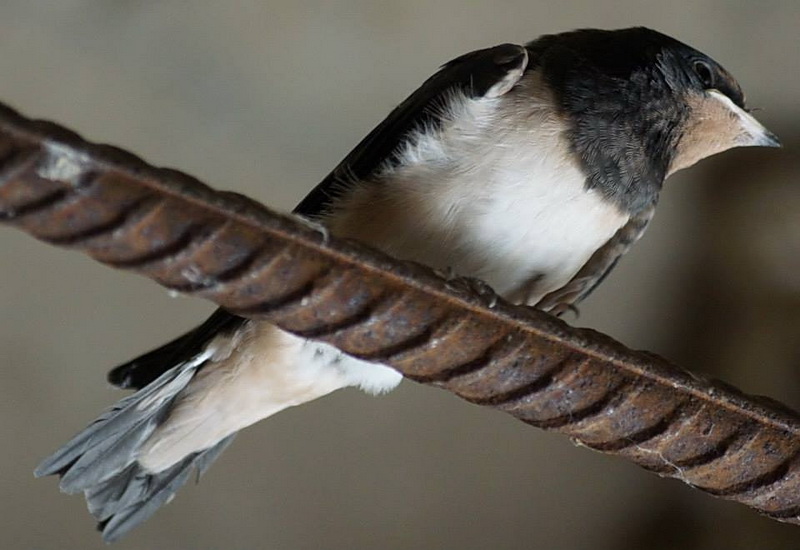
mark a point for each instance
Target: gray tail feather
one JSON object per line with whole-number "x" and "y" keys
{"x": 102, "y": 462}
{"x": 123, "y": 502}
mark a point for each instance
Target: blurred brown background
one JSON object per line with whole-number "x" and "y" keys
{"x": 264, "y": 97}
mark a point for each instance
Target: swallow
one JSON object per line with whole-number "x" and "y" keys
{"x": 531, "y": 167}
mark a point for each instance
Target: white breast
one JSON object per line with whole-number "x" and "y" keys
{"x": 495, "y": 194}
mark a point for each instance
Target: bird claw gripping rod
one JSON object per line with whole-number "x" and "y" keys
{"x": 439, "y": 330}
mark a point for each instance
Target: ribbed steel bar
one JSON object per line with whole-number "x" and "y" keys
{"x": 451, "y": 333}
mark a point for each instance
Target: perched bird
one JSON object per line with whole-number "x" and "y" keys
{"x": 533, "y": 168}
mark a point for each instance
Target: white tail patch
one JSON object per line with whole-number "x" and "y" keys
{"x": 265, "y": 371}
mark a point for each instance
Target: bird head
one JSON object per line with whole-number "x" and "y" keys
{"x": 640, "y": 105}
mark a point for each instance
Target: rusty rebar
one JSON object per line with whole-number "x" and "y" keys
{"x": 454, "y": 334}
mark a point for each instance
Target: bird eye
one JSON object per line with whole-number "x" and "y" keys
{"x": 705, "y": 73}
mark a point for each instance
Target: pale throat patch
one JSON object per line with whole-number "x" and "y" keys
{"x": 715, "y": 124}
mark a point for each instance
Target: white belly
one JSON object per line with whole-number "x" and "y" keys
{"x": 505, "y": 204}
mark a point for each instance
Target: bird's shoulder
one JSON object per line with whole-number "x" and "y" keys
{"x": 481, "y": 73}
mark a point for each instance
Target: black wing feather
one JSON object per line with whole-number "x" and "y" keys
{"x": 138, "y": 373}
{"x": 472, "y": 74}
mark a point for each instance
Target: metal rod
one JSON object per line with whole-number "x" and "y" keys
{"x": 451, "y": 333}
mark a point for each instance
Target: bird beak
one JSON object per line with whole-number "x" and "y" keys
{"x": 768, "y": 139}
{"x": 717, "y": 124}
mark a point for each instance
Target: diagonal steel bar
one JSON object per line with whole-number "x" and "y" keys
{"x": 454, "y": 333}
